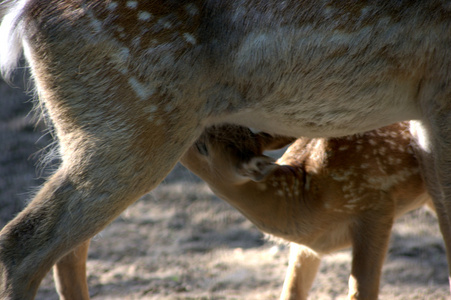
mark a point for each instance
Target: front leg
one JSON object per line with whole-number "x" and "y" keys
{"x": 370, "y": 238}
{"x": 70, "y": 274}
{"x": 433, "y": 135}
{"x": 302, "y": 268}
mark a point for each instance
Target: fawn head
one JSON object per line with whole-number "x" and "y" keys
{"x": 233, "y": 154}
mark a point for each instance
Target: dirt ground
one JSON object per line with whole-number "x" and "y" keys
{"x": 182, "y": 242}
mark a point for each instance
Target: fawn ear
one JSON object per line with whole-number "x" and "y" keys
{"x": 273, "y": 142}
{"x": 257, "y": 168}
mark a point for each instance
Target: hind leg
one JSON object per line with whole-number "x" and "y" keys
{"x": 120, "y": 132}
{"x": 66, "y": 212}
{"x": 370, "y": 234}
{"x": 105, "y": 167}
{"x": 71, "y": 208}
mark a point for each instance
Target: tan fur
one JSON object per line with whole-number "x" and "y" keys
{"x": 325, "y": 194}
{"x": 130, "y": 85}
{"x": 70, "y": 274}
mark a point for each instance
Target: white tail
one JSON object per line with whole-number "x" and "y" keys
{"x": 129, "y": 85}
{"x": 325, "y": 194}
{"x": 10, "y": 38}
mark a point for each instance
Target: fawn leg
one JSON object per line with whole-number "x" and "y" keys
{"x": 302, "y": 268}
{"x": 370, "y": 238}
{"x": 69, "y": 274}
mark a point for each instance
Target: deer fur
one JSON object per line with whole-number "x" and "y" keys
{"x": 323, "y": 193}
{"x": 129, "y": 85}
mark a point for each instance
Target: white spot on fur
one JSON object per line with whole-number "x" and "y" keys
{"x": 168, "y": 108}
{"x": 393, "y": 144}
{"x": 355, "y": 200}
{"x": 136, "y": 41}
{"x": 150, "y": 110}
{"x": 112, "y": 6}
{"x": 391, "y": 160}
{"x": 386, "y": 182}
{"x": 144, "y": 16}
{"x": 382, "y": 150}
{"x": 124, "y": 71}
{"x": 419, "y": 133}
{"x": 132, "y": 4}
{"x": 191, "y": 9}
{"x": 125, "y": 53}
{"x": 167, "y": 25}
{"x": 164, "y": 22}
{"x": 349, "y": 206}
{"x": 97, "y": 25}
{"x": 141, "y": 90}
{"x": 342, "y": 176}
{"x": 190, "y": 38}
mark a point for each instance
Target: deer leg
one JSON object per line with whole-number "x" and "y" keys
{"x": 69, "y": 274}
{"x": 90, "y": 189}
{"x": 302, "y": 268}
{"x": 370, "y": 238}
{"x": 65, "y": 213}
{"x": 434, "y": 136}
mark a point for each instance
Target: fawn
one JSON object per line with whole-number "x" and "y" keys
{"x": 128, "y": 86}
{"x": 323, "y": 193}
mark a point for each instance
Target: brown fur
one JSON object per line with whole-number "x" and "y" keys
{"x": 324, "y": 194}
{"x": 130, "y": 85}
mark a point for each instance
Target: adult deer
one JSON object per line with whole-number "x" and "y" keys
{"x": 130, "y": 85}
{"x": 324, "y": 194}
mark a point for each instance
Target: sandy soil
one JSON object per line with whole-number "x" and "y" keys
{"x": 182, "y": 242}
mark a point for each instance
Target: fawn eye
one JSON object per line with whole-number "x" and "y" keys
{"x": 202, "y": 148}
